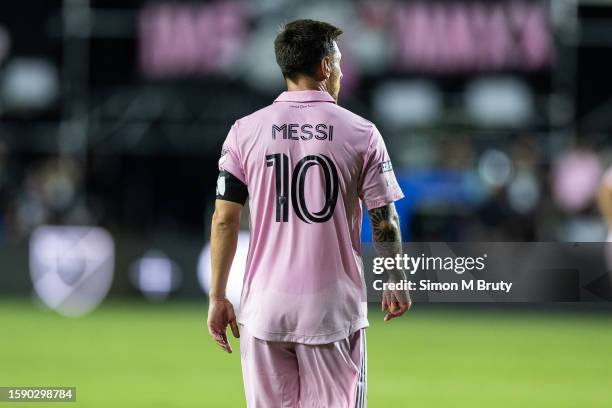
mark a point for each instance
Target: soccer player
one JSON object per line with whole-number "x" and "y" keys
{"x": 305, "y": 165}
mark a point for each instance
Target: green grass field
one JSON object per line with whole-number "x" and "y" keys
{"x": 129, "y": 354}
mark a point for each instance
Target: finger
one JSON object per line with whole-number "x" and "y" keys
{"x": 234, "y": 327}
{"x": 221, "y": 339}
{"x": 390, "y": 316}
{"x": 218, "y": 337}
{"x": 227, "y": 348}
{"x": 393, "y": 307}
{"x": 225, "y": 343}
{"x": 384, "y": 305}
{"x": 401, "y": 310}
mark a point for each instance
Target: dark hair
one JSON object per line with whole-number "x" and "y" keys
{"x": 302, "y": 44}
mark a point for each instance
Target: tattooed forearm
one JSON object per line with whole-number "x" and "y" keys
{"x": 388, "y": 243}
{"x": 385, "y": 230}
{"x": 385, "y": 225}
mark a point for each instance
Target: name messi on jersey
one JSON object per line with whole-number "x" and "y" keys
{"x": 295, "y": 131}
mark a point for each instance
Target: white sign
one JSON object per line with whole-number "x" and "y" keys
{"x": 71, "y": 267}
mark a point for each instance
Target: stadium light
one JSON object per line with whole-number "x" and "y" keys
{"x": 29, "y": 83}
{"x": 495, "y": 168}
{"x": 407, "y": 103}
{"x": 155, "y": 275}
{"x": 499, "y": 101}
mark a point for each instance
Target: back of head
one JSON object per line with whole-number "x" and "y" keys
{"x": 302, "y": 44}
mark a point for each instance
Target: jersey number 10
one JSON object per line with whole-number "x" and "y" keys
{"x": 280, "y": 162}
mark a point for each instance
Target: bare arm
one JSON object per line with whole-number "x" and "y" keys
{"x": 388, "y": 243}
{"x": 223, "y": 241}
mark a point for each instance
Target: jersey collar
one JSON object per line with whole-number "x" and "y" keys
{"x": 305, "y": 96}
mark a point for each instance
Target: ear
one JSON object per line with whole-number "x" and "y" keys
{"x": 326, "y": 67}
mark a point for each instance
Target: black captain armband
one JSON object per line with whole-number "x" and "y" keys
{"x": 230, "y": 188}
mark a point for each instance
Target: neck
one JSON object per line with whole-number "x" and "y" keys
{"x": 306, "y": 84}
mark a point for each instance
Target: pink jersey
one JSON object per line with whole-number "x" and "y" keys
{"x": 307, "y": 163}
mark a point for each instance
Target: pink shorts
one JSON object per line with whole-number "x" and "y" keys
{"x": 292, "y": 375}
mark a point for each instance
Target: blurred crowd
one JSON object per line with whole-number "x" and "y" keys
{"x": 474, "y": 190}
{"x": 41, "y": 192}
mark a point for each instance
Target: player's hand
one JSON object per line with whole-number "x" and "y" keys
{"x": 395, "y": 302}
{"x": 220, "y": 315}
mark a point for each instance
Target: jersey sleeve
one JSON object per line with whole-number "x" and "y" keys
{"x": 230, "y": 160}
{"x": 378, "y": 183}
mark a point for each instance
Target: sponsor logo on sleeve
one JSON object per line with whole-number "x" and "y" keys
{"x": 386, "y": 166}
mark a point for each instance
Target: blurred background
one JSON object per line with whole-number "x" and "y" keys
{"x": 497, "y": 115}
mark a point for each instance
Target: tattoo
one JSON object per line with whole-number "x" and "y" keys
{"x": 385, "y": 224}
{"x": 388, "y": 243}
{"x": 386, "y": 234}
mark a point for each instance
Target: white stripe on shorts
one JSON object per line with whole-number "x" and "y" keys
{"x": 361, "y": 389}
